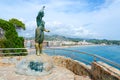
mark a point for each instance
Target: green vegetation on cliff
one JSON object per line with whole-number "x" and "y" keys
{"x": 11, "y": 38}
{"x": 18, "y": 24}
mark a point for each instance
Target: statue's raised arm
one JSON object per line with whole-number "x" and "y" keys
{"x": 39, "y": 16}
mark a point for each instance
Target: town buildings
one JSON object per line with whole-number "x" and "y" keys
{"x": 31, "y": 43}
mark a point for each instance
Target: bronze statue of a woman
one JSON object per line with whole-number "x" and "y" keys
{"x": 39, "y": 32}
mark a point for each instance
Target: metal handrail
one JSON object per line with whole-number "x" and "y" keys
{"x": 95, "y": 57}
{"x": 13, "y": 49}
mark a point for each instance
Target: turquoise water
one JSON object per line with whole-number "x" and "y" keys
{"x": 110, "y": 52}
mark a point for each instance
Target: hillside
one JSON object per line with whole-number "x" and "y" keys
{"x": 56, "y": 38}
{"x": 95, "y": 41}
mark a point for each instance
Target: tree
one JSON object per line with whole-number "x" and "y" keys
{"x": 17, "y": 23}
{"x": 11, "y": 39}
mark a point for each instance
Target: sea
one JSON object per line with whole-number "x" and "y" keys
{"x": 110, "y": 52}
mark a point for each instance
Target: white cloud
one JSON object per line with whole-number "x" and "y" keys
{"x": 68, "y": 17}
{"x": 106, "y": 21}
{"x": 69, "y": 30}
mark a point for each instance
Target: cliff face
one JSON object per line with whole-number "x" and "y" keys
{"x": 2, "y": 33}
{"x": 76, "y": 67}
{"x": 97, "y": 71}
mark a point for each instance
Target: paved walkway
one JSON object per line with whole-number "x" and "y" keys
{"x": 7, "y": 72}
{"x": 8, "y": 68}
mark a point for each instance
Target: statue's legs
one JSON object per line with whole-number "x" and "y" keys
{"x": 40, "y": 48}
{"x": 37, "y": 48}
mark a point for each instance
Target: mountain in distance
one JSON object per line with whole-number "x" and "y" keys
{"x": 56, "y": 38}
{"x": 95, "y": 41}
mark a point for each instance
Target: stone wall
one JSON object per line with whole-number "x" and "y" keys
{"x": 102, "y": 71}
{"x": 97, "y": 71}
{"x": 78, "y": 68}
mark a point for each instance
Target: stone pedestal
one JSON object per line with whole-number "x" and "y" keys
{"x": 35, "y": 65}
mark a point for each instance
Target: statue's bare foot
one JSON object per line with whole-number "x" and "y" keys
{"x": 39, "y": 54}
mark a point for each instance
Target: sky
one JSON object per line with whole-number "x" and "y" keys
{"x": 98, "y": 19}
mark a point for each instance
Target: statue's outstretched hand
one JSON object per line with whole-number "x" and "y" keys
{"x": 48, "y": 31}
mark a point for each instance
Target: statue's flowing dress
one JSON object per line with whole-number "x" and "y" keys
{"x": 39, "y": 33}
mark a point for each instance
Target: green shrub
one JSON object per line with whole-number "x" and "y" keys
{"x": 11, "y": 40}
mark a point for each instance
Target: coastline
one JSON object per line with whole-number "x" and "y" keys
{"x": 74, "y": 46}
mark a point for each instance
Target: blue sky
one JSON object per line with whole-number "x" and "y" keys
{"x": 73, "y": 18}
